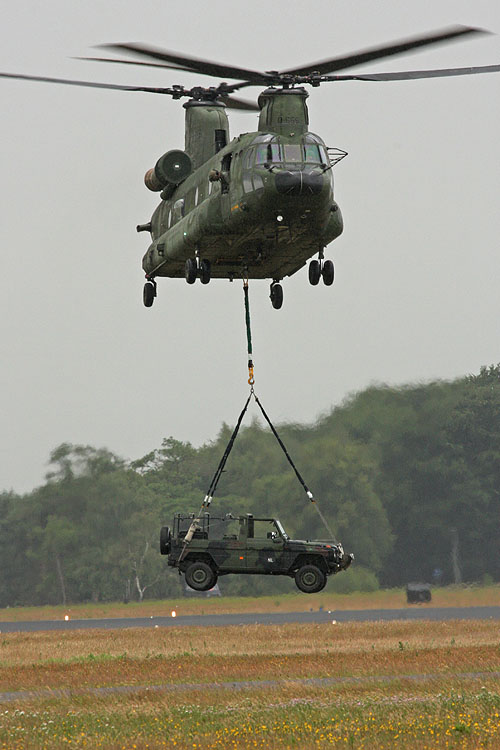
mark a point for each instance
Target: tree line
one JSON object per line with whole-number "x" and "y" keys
{"x": 408, "y": 479}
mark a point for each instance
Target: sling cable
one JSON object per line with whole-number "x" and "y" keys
{"x": 218, "y": 473}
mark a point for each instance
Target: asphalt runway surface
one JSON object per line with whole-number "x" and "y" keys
{"x": 419, "y": 612}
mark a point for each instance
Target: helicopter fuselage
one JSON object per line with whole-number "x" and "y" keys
{"x": 260, "y": 207}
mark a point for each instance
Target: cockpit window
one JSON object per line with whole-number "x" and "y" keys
{"x": 274, "y": 152}
{"x": 293, "y": 152}
{"x": 312, "y": 153}
{"x": 266, "y": 153}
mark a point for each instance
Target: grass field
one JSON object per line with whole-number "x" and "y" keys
{"x": 449, "y": 596}
{"x": 350, "y": 685}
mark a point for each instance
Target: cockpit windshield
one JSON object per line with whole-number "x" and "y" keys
{"x": 275, "y": 152}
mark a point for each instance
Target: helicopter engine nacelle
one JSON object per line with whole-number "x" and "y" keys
{"x": 171, "y": 169}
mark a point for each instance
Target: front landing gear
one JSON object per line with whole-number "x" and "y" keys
{"x": 149, "y": 292}
{"x": 276, "y": 295}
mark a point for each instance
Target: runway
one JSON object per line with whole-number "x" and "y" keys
{"x": 419, "y": 612}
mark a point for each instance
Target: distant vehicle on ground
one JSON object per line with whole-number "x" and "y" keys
{"x": 206, "y": 547}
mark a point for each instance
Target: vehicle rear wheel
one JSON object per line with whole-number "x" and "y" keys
{"x": 200, "y": 576}
{"x": 310, "y": 579}
{"x": 314, "y": 272}
{"x": 165, "y": 538}
{"x": 191, "y": 270}
{"x": 328, "y": 272}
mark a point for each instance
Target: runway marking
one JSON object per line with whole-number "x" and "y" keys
{"x": 99, "y": 692}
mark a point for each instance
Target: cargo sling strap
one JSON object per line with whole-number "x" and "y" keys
{"x": 251, "y": 380}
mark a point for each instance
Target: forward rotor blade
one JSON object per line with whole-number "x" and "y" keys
{"x": 233, "y": 102}
{"x": 409, "y": 75}
{"x": 386, "y": 50}
{"x": 191, "y": 64}
{"x": 88, "y": 84}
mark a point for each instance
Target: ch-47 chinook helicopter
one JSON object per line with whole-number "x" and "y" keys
{"x": 260, "y": 205}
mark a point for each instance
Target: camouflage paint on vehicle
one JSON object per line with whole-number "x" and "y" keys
{"x": 235, "y": 545}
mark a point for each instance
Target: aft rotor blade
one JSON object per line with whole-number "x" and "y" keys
{"x": 132, "y": 62}
{"x": 409, "y": 75}
{"x": 192, "y": 64}
{"x": 386, "y": 50}
{"x": 89, "y": 84}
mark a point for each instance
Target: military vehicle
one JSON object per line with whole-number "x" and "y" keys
{"x": 260, "y": 205}
{"x": 205, "y": 547}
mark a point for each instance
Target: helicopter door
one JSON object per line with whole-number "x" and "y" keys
{"x": 225, "y": 185}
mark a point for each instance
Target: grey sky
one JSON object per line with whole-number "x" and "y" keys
{"x": 418, "y": 266}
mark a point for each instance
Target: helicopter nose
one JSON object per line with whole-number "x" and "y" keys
{"x": 298, "y": 182}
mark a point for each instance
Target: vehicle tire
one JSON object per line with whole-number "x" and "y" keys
{"x": 276, "y": 295}
{"x": 200, "y": 576}
{"x": 205, "y": 271}
{"x": 310, "y": 579}
{"x": 314, "y": 272}
{"x": 191, "y": 270}
{"x": 328, "y": 272}
{"x": 165, "y": 539}
{"x": 148, "y": 294}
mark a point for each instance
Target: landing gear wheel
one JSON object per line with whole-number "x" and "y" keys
{"x": 205, "y": 271}
{"x": 328, "y": 272}
{"x": 276, "y": 295}
{"x": 200, "y": 576}
{"x": 191, "y": 270}
{"x": 149, "y": 293}
{"x": 314, "y": 272}
{"x": 310, "y": 579}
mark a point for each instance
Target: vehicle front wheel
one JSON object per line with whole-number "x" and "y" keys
{"x": 310, "y": 579}
{"x": 200, "y": 576}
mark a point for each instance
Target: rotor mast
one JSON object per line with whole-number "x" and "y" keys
{"x": 284, "y": 111}
{"x": 206, "y": 130}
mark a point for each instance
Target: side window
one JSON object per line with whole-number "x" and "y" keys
{"x": 247, "y": 159}
{"x": 178, "y": 209}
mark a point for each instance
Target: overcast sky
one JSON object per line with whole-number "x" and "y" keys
{"x": 416, "y": 295}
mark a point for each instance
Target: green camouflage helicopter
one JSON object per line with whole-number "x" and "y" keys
{"x": 260, "y": 205}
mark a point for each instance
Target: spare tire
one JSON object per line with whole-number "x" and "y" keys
{"x": 165, "y": 540}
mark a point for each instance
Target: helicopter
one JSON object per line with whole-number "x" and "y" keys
{"x": 261, "y": 205}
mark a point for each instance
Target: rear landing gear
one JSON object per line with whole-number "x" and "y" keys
{"x": 328, "y": 272}
{"x": 320, "y": 268}
{"x": 195, "y": 267}
{"x": 314, "y": 272}
{"x": 276, "y": 295}
{"x": 191, "y": 270}
{"x": 149, "y": 292}
{"x": 204, "y": 271}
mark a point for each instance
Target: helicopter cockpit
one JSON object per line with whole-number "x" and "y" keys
{"x": 298, "y": 168}
{"x": 270, "y": 150}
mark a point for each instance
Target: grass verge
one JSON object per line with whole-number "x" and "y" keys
{"x": 399, "y": 684}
